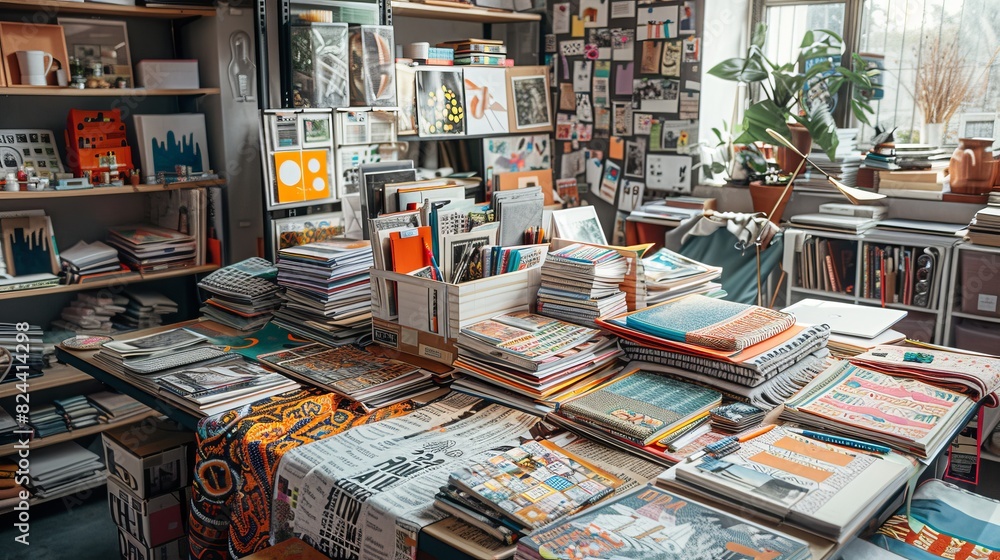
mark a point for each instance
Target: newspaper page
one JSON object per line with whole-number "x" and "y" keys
{"x": 365, "y": 493}
{"x": 634, "y": 471}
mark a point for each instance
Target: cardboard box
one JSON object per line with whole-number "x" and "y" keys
{"x": 149, "y": 457}
{"x": 980, "y": 283}
{"x": 132, "y": 549}
{"x": 423, "y": 317}
{"x": 151, "y": 522}
{"x": 319, "y": 65}
{"x": 167, "y": 74}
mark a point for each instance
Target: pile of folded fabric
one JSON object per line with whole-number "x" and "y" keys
{"x": 10, "y": 490}
{"x": 77, "y": 411}
{"x": 244, "y": 294}
{"x": 91, "y": 313}
{"x": 115, "y": 407}
{"x": 749, "y": 353}
{"x": 63, "y": 469}
{"x": 47, "y": 421}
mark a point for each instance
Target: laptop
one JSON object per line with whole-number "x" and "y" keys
{"x": 846, "y": 318}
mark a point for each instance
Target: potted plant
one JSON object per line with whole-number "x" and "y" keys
{"x": 799, "y": 92}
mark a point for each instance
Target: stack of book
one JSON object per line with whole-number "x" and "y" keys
{"x": 115, "y": 407}
{"x": 46, "y": 421}
{"x": 206, "y": 391}
{"x": 147, "y": 248}
{"x": 904, "y": 183}
{"x": 736, "y": 417}
{"x": 670, "y": 275}
{"x": 653, "y": 523}
{"x": 78, "y": 411}
{"x": 921, "y": 156}
{"x": 136, "y": 355}
{"x": 531, "y": 362}
{"x": 480, "y": 52}
{"x": 89, "y": 262}
{"x": 244, "y": 295}
{"x": 371, "y": 380}
{"x": 12, "y": 339}
{"x": 984, "y": 229}
{"x": 751, "y": 354}
{"x": 882, "y": 156}
{"x": 91, "y": 313}
{"x": 327, "y": 291}
{"x": 843, "y": 167}
{"x": 482, "y": 494}
{"x": 424, "y": 54}
{"x": 145, "y": 309}
{"x": 63, "y": 469}
{"x": 580, "y": 283}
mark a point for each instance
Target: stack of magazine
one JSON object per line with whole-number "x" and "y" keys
{"x": 327, "y": 291}
{"x": 532, "y": 362}
{"x": 371, "y": 380}
{"x": 483, "y": 493}
{"x": 581, "y": 283}
{"x": 90, "y": 261}
{"x": 244, "y": 294}
{"x": 145, "y": 309}
{"x": 148, "y": 248}
{"x": 670, "y": 275}
{"x": 205, "y": 391}
{"x": 144, "y": 358}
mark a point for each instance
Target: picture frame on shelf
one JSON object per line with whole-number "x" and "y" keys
{"x": 298, "y": 157}
{"x": 528, "y": 99}
{"x": 99, "y": 41}
{"x": 486, "y": 100}
{"x": 440, "y": 102}
{"x": 18, "y": 36}
{"x": 306, "y": 228}
{"x": 28, "y": 147}
{"x": 979, "y": 125}
{"x": 320, "y": 60}
{"x": 166, "y": 141}
{"x": 406, "y": 97}
{"x": 372, "y": 66}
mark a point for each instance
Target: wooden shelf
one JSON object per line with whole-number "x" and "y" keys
{"x": 973, "y": 317}
{"x": 103, "y": 191}
{"x": 59, "y": 375}
{"x": 74, "y": 434}
{"x": 55, "y": 91}
{"x": 38, "y": 501}
{"x": 117, "y": 281}
{"x": 459, "y": 12}
{"x": 878, "y": 303}
{"x": 824, "y": 293}
{"x": 98, "y": 9}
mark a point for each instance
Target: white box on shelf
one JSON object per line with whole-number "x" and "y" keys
{"x": 147, "y": 457}
{"x": 167, "y": 74}
{"x": 153, "y": 521}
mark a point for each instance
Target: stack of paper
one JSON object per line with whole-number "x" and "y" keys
{"x": 210, "y": 390}
{"x": 985, "y": 226}
{"x": 670, "y": 275}
{"x": 114, "y": 407}
{"x": 92, "y": 312}
{"x": 12, "y": 338}
{"x": 581, "y": 283}
{"x": 145, "y": 309}
{"x": 736, "y": 417}
{"x": 148, "y": 248}
{"x": 64, "y": 468}
{"x": 78, "y": 411}
{"x": 327, "y": 290}
{"x": 244, "y": 295}
{"x": 46, "y": 420}
{"x": 90, "y": 261}
{"x": 532, "y": 362}
{"x": 373, "y": 381}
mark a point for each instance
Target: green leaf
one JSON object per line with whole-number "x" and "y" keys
{"x": 717, "y": 167}
{"x": 823, "y": 129}
{"x": 739, "y": 70}
{"x": 761, "y": 116}
{"x": 861, "y": 111}
{"x": 759, "y": 36}
{"x": 807, "y": 39}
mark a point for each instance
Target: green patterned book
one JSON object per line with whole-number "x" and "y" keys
{"x": 710, "y": 322}
{"x": 642, "y": 406}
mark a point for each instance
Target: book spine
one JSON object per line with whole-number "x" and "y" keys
{"x": 595, "y": 420}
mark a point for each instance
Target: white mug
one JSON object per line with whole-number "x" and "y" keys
{"x": 34, "y": 68}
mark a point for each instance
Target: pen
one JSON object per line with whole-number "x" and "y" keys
{"x": 728, "y": 444}
{"x": 840, "y": 440}
{"x": 435, "y": 271}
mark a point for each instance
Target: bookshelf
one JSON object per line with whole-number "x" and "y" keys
{"x": 99, "y": 9}
{"x": 124, "y": 280}
{"x": 923, "y": 323}
{"x": 964, "y": 312}
{"x": 71, "y": 435}
{"x": 55, "y": 91}
{"x": 104, "y": 191}
{"x": 56, "y": 376}
{"x": 459, "y": 12}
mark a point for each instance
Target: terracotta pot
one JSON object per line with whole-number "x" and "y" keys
{"x": 788, "y": 160}
{"x": 971, "y": 169}
{"x": 765, "y": 197}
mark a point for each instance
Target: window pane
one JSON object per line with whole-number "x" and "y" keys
{"x": 905, "y": 32}
{"x": 787, "y": 24}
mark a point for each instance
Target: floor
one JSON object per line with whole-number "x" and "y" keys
{"x": 74, "y": 528}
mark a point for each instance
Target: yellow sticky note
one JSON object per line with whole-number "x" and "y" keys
{"x": 576, "y": 30}
{"x": 616, "y": 148}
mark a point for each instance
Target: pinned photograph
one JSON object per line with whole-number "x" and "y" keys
{"x": 689, "y": 105}
{"x": 650, "y": 62}
{"x": 609, "y": 183}
{"x": 551, "y": 44}
{"x": 601, "y": 40}
{"x": 622, "y": 44}
{"x": 565, "y": 126}
{"x": 642, "y": 124}
{"x": 635, "y": 158}
{"x": 688, "y": 18}
{"x": 624, "y": 71}
{"x": 567, "y": 99}
{"x": 581, "y": 75}
{"x": 594, "y": 13}
{"x": 584, "y": 110}
{"x": 668, "y": 173}
{"x": 631, "y": 197}
{"x": 656, "y": 22}
{"x": 622, "y": 118}
{"x": 602, "y": 121}
{"x": 601, "y": 98}
{"x": 569, "y": 195}
{"x": 529, "y": 89}
{"x": 692, "y": 49}
{"x": 584, "y": 132}
{"x": 623, "y": 9}
{"x": 678, "y": 136}
{"x": 670, "y": 62}
{"x": 560, "y": 18}
{"x": 486, "y": 100}
{"x": 571, "y": 165}
{"x": 656, "y": 95}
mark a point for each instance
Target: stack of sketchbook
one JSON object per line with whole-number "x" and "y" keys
{"x": 483, "y": 493}
{"x": 46, "y": 420}
{"x": 244, "y": 295}
{"x": 78, "y": 411}
{"x": 327, "y": 291}
{"x": 205, "y": 391}
{"x": 145, "y": 309}
{"x": 89, "y": 262}
{"x": 644, "y": 412}
{"x": 580, "y": 283}
{"x": 91, "y": 313}
{"x": 985, "y": 226}
{"x": 531, "y": 362}
{"x": 371, "y": 380}
{"x": 147, "y": 248}
{"x": 805, "y": 482}
{"x": 115, "y": 407}
{"x": 750, "y": 353}
{"x": 63, "y": 469}
{"x": 670, "y": 275}
{"x": 906, "y": 414}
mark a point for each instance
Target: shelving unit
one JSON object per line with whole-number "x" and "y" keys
{"x": 460, "y": 12}
{"x": 939, "y": 308}
{"x": 98, "y": 9}
{"x": 58, "y": 375}
{"x": 74, "y": 434}
{"x": 55, "y": 91}
{"x": 133, "y": 278}
{"x": 71, "y": 492}
{"x": 105, "y": 191}
{"x": 956, "y": 284}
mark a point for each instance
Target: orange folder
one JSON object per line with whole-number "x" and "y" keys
{"x": 410, "y": 249}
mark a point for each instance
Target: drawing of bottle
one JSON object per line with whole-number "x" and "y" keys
{"x": 242, "y": 71}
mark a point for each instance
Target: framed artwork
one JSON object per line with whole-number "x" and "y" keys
{"x": 529, "y": 100}
{"x": 406, "y": 95}
{"x": 301, "y": 176}
{"x": 978, "y": 125}
{"x": 16, "y": 36}
{"x": 319, "y": 65}
{"x": 578, "y": 224}
{"x": 317, "y": 129}
{"x": 297, "y": 149}
{"x": 166, "y": 141}
{"x": 98, "y": 41}
{"x": 486, "y": 100}
{"x": 440, "y": 102}
{"x": 372, "y": 66}
{"x": 299, "y": 230}
{"x": 34, "y": 147}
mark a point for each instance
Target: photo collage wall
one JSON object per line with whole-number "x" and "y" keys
{"x": 626, "y": 78}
